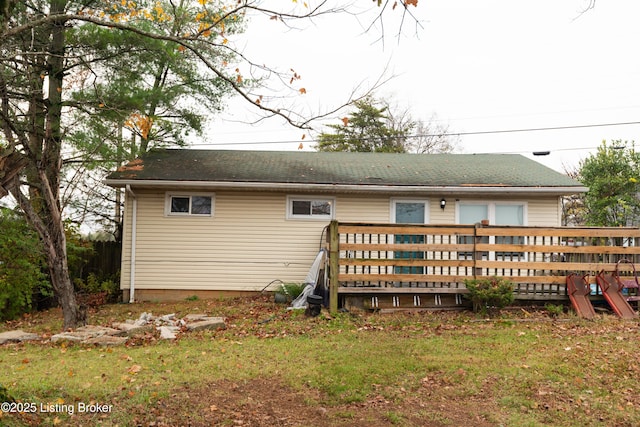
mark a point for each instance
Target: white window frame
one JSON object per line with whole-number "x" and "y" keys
{"x": 491, "y": 209}
{"x": 395, "y": 201}
{"x": 308, "y": 198}
{"x": 190, "y": 195}
{"x": 491, "y": 213}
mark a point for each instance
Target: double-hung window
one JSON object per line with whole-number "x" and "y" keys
{"x": 189, "y": 205}
{"x": 303, "y": 207}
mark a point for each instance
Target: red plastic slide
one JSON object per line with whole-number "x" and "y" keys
{"x": 612, "y": 292}
{"x": 578, "y": 289}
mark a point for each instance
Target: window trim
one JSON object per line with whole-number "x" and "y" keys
{"x": 395, "y": 200}
{"x": 310, "y": 217}
{"x": 491, "y": 209}
{"x": 491, "y": 213}
{"x": 170, "y": 195}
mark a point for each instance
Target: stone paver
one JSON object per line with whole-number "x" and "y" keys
{"x": 168, "y": 325}
{"x": 84, "y": 333}
{"x": 17, "y": 336}
{"x": 168, "y": 332}
{"x": 132, "y": 329}
{"x": 106, "y": 340}
{"x": 207, "y": 323}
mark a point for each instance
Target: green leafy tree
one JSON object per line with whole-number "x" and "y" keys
{"x": 613, "y": 177}
{"x": 376, "y": 126}
{"x": 142, "y": 93}
{"x": 22, "y": 266}
{"x": 367, "y": 129}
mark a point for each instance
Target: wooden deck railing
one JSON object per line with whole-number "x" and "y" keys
{"x": 370, "y": 259}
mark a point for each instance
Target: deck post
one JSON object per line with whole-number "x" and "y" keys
{"x": 334, "y": 265}
{"x": 477, "y": 271}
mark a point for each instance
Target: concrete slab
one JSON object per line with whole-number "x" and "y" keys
{"x": 193, "y": 317}
{"x": 106, "y": 340}
{"x": 207, "y": 323}
{"x": 84, "y": 333}
{"x": 167, "y": 333}
{"x": 17, "y": 336}
{"x": 130, "y": 330}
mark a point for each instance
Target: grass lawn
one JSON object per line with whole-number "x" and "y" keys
{"x": 273, "y": 367}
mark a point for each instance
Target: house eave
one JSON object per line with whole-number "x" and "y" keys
{"x": 347, "y": 188}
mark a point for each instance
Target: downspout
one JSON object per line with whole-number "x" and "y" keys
{"x": 132, "y": 267}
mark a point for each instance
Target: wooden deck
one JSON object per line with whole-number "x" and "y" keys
{"x": 406, "y": 260}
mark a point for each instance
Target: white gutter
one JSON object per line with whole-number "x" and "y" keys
{"x": 350, "y": 188}
{"x": 132, "y": 266}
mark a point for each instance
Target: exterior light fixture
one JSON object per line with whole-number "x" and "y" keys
{"x": 443, "y": 203}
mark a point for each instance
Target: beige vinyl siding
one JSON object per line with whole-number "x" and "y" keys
{"x": 545, "y": 212}
{"x": 246, "y": 244}
{"x": 249, "y": 242}
{"x": 437, "y": 215}
{"x": 363, "y": 208}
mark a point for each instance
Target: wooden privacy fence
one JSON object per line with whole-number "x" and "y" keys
{"x": 414, "y": 259}
{"x": 103, "y": 261}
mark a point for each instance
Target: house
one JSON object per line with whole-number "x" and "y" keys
{"x": 205, "y": 222}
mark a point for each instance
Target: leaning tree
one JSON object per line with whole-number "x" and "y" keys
{"x": 67, "y": 75}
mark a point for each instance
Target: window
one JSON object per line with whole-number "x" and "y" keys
{"x": 309, "y": 208}
{"x": 498, "y": 214}
{"x": 503, "y": 213}
{"x": 189, "y": 204}
{"x": 471, "y": 213}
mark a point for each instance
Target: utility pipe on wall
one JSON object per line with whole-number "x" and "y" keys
{"x": 132, "y": 266}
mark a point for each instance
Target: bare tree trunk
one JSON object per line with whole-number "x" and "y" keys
{"x": 50, "y": 228}
{"x": 50, "y": 169}
{"x": 73, "y": 314}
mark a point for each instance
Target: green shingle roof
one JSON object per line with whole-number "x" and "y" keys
{"x": 341, "y": 168}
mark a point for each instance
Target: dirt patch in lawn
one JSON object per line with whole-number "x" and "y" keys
{"x": 269, "y": 402}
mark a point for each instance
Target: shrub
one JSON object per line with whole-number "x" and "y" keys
{"x": 22, "y": 266}
{"x": 293, "y": 290}
{"x": 491, "y": 292}
{"x": 554, "y": 310}
{"x": 288, "y": 292}
{"x": 96, "y": 285}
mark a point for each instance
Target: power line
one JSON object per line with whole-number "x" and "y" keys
{"x": 540, "y": 129}
{"x": 488, "y": 132}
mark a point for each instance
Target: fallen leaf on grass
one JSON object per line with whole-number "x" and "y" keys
{"x": 134, "y": 369}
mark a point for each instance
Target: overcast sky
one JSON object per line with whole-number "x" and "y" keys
{"x": 481, "y": 66}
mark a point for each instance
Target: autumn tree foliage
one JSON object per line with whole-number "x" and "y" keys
{"x": 101, "y": 80}
{"x": 142, "y": 93}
